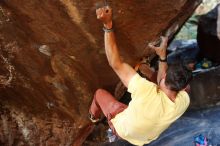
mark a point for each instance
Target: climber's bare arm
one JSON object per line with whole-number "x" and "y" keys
{"x": 122, "y": 69}
{"x": 161, "y": 52}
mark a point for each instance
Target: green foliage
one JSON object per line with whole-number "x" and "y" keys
{"x": 189, "y": 30}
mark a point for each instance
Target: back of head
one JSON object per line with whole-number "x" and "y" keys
{"x": 178, "y": 77}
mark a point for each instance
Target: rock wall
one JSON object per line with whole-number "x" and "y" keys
{"x": 205, "y": 89}
{"x": 52, "y": 60}
{"x": 207, "y": 37}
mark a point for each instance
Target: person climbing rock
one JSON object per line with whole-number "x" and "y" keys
{"x": 154, "y": 106}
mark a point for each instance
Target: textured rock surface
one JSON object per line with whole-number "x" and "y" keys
{"x": 205, "y": 91}
{"x": 52, "y": 60}
{"x": 207, "y": 38}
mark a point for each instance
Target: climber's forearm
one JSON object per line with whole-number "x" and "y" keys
{"x": 111, "y": 50}
{"x": 124, "y": 71}
{"x": 161, "y": 52}
{"x": 161, "y": 71}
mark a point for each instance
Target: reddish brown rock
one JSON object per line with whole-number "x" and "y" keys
{"x": 52, "y": 60}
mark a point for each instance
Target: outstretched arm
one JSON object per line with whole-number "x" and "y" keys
{"x": 161, "y": 52}
{"x": 122, "y": 69}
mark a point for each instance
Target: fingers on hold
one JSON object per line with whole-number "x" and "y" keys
{"x": 151, "y": 46}
{"x": 101, "y": 15}
{"x": 164, "y": 39}
{"x": 98, "y": 11}
{"x": 108, "y": 9}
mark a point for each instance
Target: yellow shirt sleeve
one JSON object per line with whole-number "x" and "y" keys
{"x": 139, "y": 87}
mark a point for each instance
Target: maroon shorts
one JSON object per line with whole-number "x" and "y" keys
{"x": 104, "y": 102}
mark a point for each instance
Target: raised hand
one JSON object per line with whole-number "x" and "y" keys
{"x": 161, "y": 50}
{"x": 104, "y": 14}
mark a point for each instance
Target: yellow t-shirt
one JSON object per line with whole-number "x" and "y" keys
{"x": 149, "y": 113}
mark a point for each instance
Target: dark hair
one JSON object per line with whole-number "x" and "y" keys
{"x": 178, "y": 76}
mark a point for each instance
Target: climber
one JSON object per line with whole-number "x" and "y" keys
{"x": 153, "y": 106}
